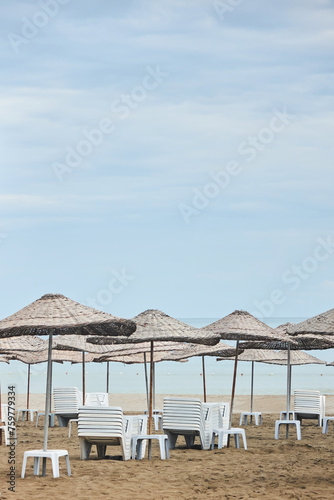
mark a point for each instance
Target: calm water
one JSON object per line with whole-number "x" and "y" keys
{"x": 179, "y": 378}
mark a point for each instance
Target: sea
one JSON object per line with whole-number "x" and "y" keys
{"x": 179, "y": 378}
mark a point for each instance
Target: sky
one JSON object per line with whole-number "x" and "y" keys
{"x": 174, "y": 155}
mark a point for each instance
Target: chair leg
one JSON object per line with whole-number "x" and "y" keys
{"x": 213, "y": 441}
{"x": 37, "y": 464}
{"x": 244, "y": 440}
{"x": 220, "y": 440}
{"x": 162, "y": 449}
{"x": 55, "y": 466}
{"x": 166, "y": 448}
{"x": 171, "y": 440}
{"x": 67, "y": 458}
{"x": 24, "y": 464}
{"x": 85, "y": 448}
{"x": 101, "y": 450}
{"x": 190, "y": 439}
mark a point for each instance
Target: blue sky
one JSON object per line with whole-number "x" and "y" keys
{"x": 173, "y": 155}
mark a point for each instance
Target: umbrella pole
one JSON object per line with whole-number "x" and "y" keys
{"x": 47, "y": 401}
{"x": 288, "y": 392}
{"x": 204, "y": 383}
{"x": 233, "y": 386}
{"x": 83, "y": 378}
{"x": 252, "y": 390}
{"x": 146, "y": 381}
{"x": 151, "y": 401}
{"x": 153, "y": 386}
{"x": 28, "y": 389}
{"x": 51, "y": 385}
{"x": 107, "y": 377}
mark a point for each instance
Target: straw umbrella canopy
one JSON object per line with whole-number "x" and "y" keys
{"x": 154, "y": 325}
{"x": 24, "y": 343}
{"x": 55, "y": 314}
{"x": 241, "y": 325}
{"x": 330, "y": 364}
{"x": 252, "y": 355}
{"x": 322, "y": 324}
{"x": 296, "y": 358}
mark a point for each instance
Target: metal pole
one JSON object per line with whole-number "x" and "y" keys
{"x": 51, "y": 385}
{"x": 234, "y": 382}
{"x": 153, "y": 386}
{"x": 288, "y": 392}
{"x": 151, "y": 401}
{"x": 83, "y": 378}
{"x": 28, "y": 389}
{"x": 107, "y": 377}
{"x": 204, "y": 383}
{"x": 252, "y": 388}
{"x": 146, "y": 381}
{"x": 47, "y": 401}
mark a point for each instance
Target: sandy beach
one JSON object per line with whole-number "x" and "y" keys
{"x": 269, "y": 468}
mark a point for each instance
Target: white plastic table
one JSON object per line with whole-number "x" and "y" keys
{"x": 53, "y": 454}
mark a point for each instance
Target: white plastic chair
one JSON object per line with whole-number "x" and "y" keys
{"x": 66, "y": 403}
{"x": 187, "y": 417}
{"x": 97, "y": 399}
{"x": 101, "y": 426}
{"x": 309, "y": 405}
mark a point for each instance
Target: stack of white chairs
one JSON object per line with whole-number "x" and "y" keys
{"x": 224, "y": 419}
{"x": 189, "y": 418}
{"x": 97, "y": 399}
{"x": 309, "y": 405}
{"x": 103, "y": 426}
{"x": 5, "y": 428}
{"x": 67, "y": 401}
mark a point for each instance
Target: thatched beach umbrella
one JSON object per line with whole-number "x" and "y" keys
{"x": 25, "y": 343}
{"x": 241, "y": 325}
{"x": 322, "y": 324}
{"x": 330, "y": 364}
{"x": 154, "y": 325}
{"x": 296, "y": 358}
{"x": 55, "y": 314}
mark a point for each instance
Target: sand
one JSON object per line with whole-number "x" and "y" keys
{"x": 268, "y": 469}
